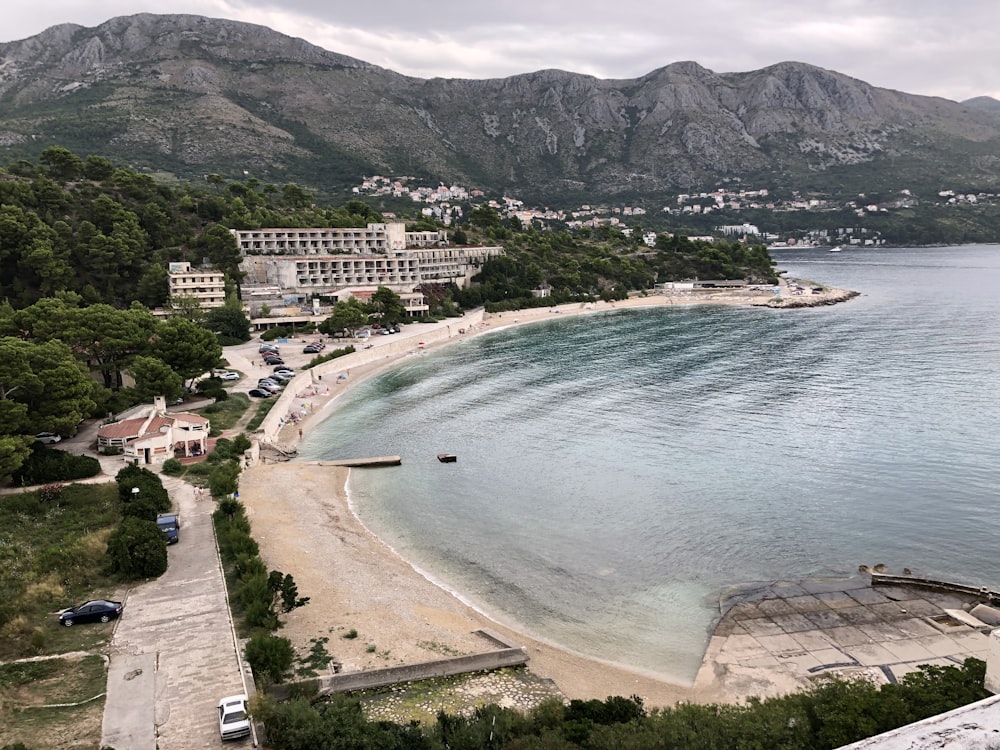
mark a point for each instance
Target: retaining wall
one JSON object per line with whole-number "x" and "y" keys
{"x": 888, "y": 579}
{"x": 510, "y": 656}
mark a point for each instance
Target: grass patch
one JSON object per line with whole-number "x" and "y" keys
{"x": 225, "y": 414}
{"x": 350, "y": 634}
{"x": 316, "y": 661}
{"x": 439, "y": 648}
{"x": 262, "y": 411}
{"x": 329, "y": 356}
{"x": 52, "y": 555}
{"x": 30, "y": 690}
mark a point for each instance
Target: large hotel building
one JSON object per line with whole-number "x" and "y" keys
{"x": 338, "y": 263}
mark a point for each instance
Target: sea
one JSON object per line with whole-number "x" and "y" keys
{"x": 620, "y": 475}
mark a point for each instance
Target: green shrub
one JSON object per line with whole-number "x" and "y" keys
{"x": 209, "y": 384}
{"x": 200, "y": 470}
{"x": 278, "y": 332}
{"x": 246, "y": 565}
{"x": 173, "y": 468}
{"x": 270, "y": 656}
{"x": 335, "y": 354}
{"x": 253, "y": 588}
{"x": 224, "y": 479}
{"x": 223, "y": 451}
{"x": 230, "y": 507}
{"x": 46, "y": 465}
{"x": 137, "y": 549}
{"x": 241, "y": 443}
{"x": 152, "y": 497}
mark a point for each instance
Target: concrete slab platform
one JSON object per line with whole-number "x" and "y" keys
{"x": 872, "y": 654}
{"x": 793, "y": 623}
{"x": 826, "y": 619}
{"x": 848, "y": 636}
{"x": 835, "y": 586}
{"x": 881, "y": 632}
{"x": 783, "y": 637}
{"x": 867, "y": 596}
{"x": 859, "y": 615}
{"x": 779, "y": 644}
{"x": 807, "y": 603}
{"x": 917, "y": 627}
{"x": 909, "y": 650}
{"x": 836, "y": 599}
{"x": 772, "y": 607}
{"x": 761, "y": 626}
{"x": 940, "y": 645}
{"x": 813, "y": 640}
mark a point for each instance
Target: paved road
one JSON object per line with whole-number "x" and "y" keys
{"x": 177, "y": 631}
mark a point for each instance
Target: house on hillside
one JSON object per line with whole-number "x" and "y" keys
{"x": 153, "y": 436}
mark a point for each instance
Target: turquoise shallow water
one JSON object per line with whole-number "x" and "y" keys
{"x": 617, "y": 473}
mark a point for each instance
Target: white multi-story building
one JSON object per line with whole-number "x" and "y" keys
{"x": 331, "y": 262}
{"x": 206, "y": 286}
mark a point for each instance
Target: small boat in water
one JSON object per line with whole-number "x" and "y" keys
{"x": 447, "y": 458}
{"x": 836, "y": 249}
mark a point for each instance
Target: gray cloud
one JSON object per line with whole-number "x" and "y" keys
{"x": 918, "y": 46}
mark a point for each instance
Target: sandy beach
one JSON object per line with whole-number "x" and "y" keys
{"x": 305, "y": 525}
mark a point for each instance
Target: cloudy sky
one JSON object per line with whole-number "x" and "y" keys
{"x": 949, "y": 49}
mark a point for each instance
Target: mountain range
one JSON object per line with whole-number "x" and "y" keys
{"x": 190, "y": 96}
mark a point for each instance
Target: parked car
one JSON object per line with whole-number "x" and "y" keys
{"x": 259, "y": 393}
{"x": 311, "y": 350}
{"x": 283, "y": 368}
{"x": 280, "y": 377}
{"x": 268, "y": 348}
{"x": 234, "y": 722}
{"x": 228, "y": 376}
{"x": 170, "y": 524}
{"x": 97, "y": 610}
{"x": 47, "y": 437}
{"x": 269, "y": 387}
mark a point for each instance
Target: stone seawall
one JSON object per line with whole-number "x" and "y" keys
{"x": 830, "y": 297}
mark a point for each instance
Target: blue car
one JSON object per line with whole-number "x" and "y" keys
{"x": 97, "y": 610}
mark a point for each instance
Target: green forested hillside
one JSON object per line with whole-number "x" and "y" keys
{"x": 106, "y": 233}
{"x": 84, "y": 248}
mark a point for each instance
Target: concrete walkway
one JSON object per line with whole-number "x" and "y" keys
{"x": 173, "y": 654}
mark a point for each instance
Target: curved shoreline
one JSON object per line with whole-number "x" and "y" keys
{"x": 363, "y": 584}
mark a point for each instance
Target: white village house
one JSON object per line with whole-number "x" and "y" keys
{"x": 153, "y": 435}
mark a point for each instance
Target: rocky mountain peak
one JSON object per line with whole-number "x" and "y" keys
{"x": 213, "y": 95}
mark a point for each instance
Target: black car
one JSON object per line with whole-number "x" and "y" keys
{"x": 311, "y": 350}
{"x": 274, "y": 360}
{"x": 260, "y": 393}
{"x": 97, "y": 610}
